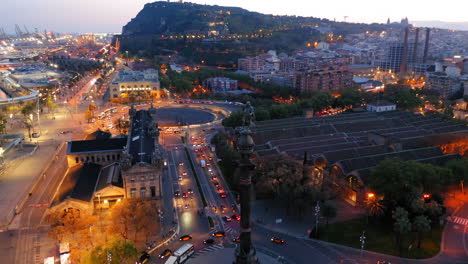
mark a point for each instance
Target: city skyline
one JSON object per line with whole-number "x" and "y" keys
{"x": 109, "y": 16}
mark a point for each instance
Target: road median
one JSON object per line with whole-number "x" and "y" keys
{"x": 192, "y": 166}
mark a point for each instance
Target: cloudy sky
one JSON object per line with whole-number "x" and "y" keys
{"x": 111, "y": 15}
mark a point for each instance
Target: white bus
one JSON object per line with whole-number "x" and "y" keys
{"x": 184, "y": 252}
{"x": 172, "y": 260}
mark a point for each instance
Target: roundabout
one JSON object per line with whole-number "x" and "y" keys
{"x": 180, "y": 116}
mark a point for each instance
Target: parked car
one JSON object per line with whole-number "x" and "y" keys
{"x": 219, "y": 234}
{"x": 277, "y": 240}
{"x": 166, "y": 253}
{"x": 143, "y": 258}
{"x": 185, "y": 238}
{"x": 208, "y": 241}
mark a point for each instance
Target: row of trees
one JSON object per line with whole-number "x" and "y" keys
{"x": 130, "y": 222}
{"x": 410, "y": 194}
{"x": 279, "y": 177}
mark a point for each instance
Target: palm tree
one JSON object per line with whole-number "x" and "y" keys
{"x": 28, "y": 125}
{"x": 375, "y": 208}
{"x": 421, "y": 224}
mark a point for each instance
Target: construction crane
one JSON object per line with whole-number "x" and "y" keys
{"x": 2, "y": 34}
{"x": 26, "y": 29}
{"x": 19, "y": 33}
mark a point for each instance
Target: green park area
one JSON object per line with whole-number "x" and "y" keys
{"x": 348, "y": 233}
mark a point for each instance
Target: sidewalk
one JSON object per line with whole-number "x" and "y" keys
{"x": 297, "y": 227}
{"x": 227, "y": 256}
{"x": 272, "y": 215}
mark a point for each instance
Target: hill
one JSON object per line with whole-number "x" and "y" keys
{"x": 219, "y": 35}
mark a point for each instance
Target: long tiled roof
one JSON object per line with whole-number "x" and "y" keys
{"x": 80, "y": 146}
{"x": 295, "y": 136}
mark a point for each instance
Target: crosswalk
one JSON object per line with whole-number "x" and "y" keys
{"x": 458, "y": 220}
{"x": 208, "y": 249}
{"x": 230, "y": 230}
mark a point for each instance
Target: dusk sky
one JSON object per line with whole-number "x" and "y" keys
{"x": 111, "y": 15}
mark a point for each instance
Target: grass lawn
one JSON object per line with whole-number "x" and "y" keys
{"x": 381, "y": 238}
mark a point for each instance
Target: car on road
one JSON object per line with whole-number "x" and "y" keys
{"x": 180, "y": 178}
{"x": 236, "y": 216}
{"x": 277, "y": 240}
{"x": 223, "y": 195}
{"x": 219, "y": 189}
{"x": 219, "y": 234}
{"x": 185, "y": 237}
{"x": 208, "y": 241}
{"x": 216, "y": 183}
{"x": 227, "y": 218}
{"x": 35, "y": 135}
{"x": 181, "y": 164}
{"x": 143, "y": 258}
{"x": 184, "y": 173}
{"x": 222, "y": 208}
{"x": 214, "y": 177}
{"x": 177, "y": 193}
{"x": 184, "y": 195}
{"x": 186, "y": 206}
{"x": 190, "y": 191}
{"x": 166, "y": 253}
{"x": 236, "y": 239}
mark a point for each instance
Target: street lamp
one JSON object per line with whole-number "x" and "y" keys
{"x": 362, "y": 238}
{"x": 317, "y": 214}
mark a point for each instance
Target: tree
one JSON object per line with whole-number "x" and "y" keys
{"x": 401, "y": 226}
{"x": 459, "y": 169}
{"x": 233, "y": 120}
{"x": 133, "y": 215}
{"x": 91, "y": 108}
{"x": 374, "y": 207}
{"x": 122, "y": 125}
{"x": 27, "y": 109}
{"x": 50, "y": 103}
{"x": 3, "y": 123}
{"x": 329, "y": 210}
{"x": 262, "y": 114}
{"x": 88, "y": 115}
{"x": 421, "y": 224}
{"x": 28, "y": 124}
{"x": 349, "y": 97}
{"x": 121, "y": 252}
{"x": 182, "y": 86}
{"x": 281, "y": 177}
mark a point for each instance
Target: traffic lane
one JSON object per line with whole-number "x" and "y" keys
{"x": 190, "y": 222}
{"x": 295, "y": 250}
{"x": 456, "y": 236}
{"x": 212, "y": 198}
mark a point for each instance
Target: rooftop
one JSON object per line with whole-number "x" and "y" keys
{"x": 141, "y": 143}
{"x": 109, "y": 144}
{"x": 382, "y": 103}
{"x": 150, "y": 75}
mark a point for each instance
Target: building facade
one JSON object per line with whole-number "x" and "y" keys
{"x": 328, "y": 79}
{"x": 220, "y": 84}
{"x": 134, "y": 81}
{"x": 142, "y": 160}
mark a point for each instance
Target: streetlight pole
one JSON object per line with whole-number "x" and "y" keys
{"x": 245, "y": 253}
{"x": 317, "y": 214}
{"x": 362, "y": 238}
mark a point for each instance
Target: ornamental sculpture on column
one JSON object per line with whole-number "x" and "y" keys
{"x": 245, "y": 253}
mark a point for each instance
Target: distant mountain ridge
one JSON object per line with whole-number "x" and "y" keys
{"x": 174, "y": 18}
{"x": 442, "y": 24}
